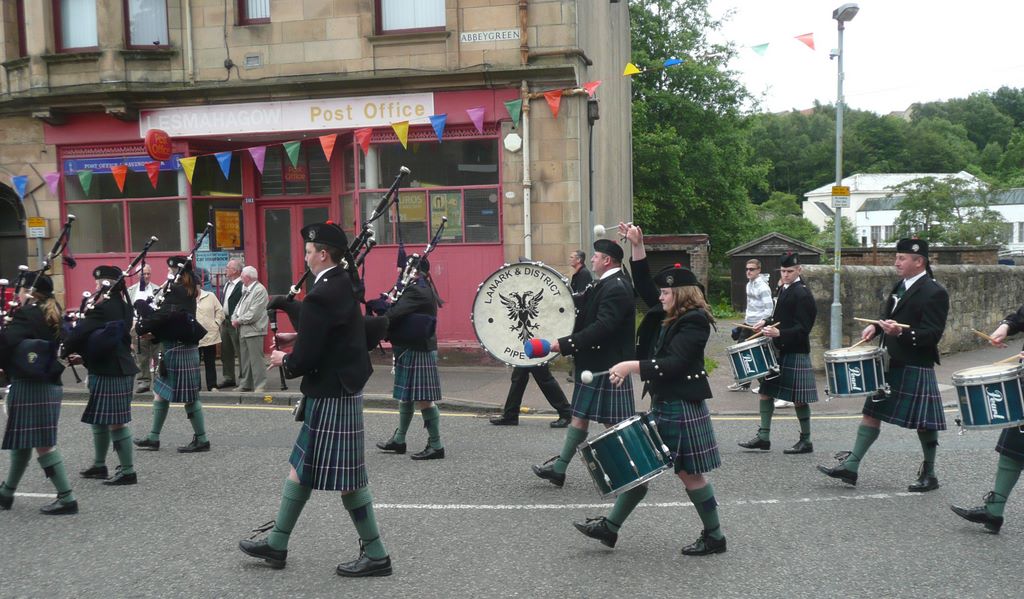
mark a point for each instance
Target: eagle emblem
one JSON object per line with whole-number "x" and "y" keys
{"x": 522, "y": 309}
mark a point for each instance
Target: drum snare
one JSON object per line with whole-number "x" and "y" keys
{"x": 625, "y": 456}
{"x": 856, "y": 372}
{"x": 990, "y": 396}
{"x": 753, "y": 359}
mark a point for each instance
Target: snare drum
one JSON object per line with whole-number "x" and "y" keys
{"x": 855, "y": 372}
{"x": 752, "y": 359}
{"x": 625, "y": 456}
{"x": 990, "y": 396}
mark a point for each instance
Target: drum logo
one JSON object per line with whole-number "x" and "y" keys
{"x": 854, "y": 375}
{"x": 522, "y": 308}
{"x": 995, "y": 397}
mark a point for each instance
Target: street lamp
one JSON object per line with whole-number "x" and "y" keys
{"x": 842, "y": 15}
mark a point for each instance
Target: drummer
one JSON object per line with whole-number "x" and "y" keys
{"x": 1010, "y": 448}
{"x": 911, "y": 326}
{"x": 789, "y": 328}
{"x": 672, "y": 338}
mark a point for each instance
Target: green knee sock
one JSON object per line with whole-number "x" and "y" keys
{"x": 100, "y": 444}
{"x": 19, "y": 461}
{"x": 194, "y": 411}
{"x": 866, "y": 435}
{"x": 405, "y": 411}
{"x": 159, "y": 416}
{"x": 53, "y": 465}
{"x": 624, "y": 506}
{"x": 573, "y": 437}
{"x": 707, "y": 508}
{"x": 360, "y": 508}
{"x": 432, "y": 422}
{"x": 1007, "y": 474}
{"x": 293, "y": 499}
{"x": 929, "y": 446}
{"x": 803, "y": 414}
{"x": 122, "y": 438}
{"x": 767, "y": 408}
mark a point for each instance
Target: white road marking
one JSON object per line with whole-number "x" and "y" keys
{"x": 46, "y": 495}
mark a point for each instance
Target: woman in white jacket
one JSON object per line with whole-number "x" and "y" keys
{"x": 210, "y": 314}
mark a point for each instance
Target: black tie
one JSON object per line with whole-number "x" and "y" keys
{"x": 901, "y": 289}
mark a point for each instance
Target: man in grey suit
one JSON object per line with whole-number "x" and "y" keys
{"x": 229, "y": 347}
{"x": 250, "y": 319}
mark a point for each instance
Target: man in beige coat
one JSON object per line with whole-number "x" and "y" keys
{"x": 250, "y": 318}
{"x": 210, "y": 315}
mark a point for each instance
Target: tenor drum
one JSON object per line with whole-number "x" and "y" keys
{"x": 990, "y": 396}
{"x": 854, "y": 372}
{"x": 519, "y": 302}
{"x": 752, "y": 359}
{"x": 625, "y": 456}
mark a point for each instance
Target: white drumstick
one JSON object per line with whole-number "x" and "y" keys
{"x": 601, "y": 230}
{"x": 587, "y": 377}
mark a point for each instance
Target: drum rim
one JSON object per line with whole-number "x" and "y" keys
{"x": 853, "y": 354}
{"x": 633, "y": 484}
{"x": 618, "y": 426}
{"x": 748, "y": 344}
{"x": 961, "y": 379}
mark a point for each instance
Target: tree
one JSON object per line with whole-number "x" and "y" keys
{"x": 949, "y": 211}
{"x": 781, "y": 213}
{"x": 935, "y": 145}
{"x": 827, "y": 238}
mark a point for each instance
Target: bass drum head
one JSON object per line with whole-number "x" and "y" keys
{"x": 519, "y": 302}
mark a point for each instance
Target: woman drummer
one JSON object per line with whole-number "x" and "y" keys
{"x": 33, "y": 403}
{"x": 672, "y": 337}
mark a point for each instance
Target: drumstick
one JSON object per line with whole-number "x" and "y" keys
{"x": 858, "y": 343}
{"x": 869, "y": 321}
{"x": 755, "y": 335}
{"x": 989, "y": 339}
{"x": 744, "y": 326}
{"x": 1008, "y": 360}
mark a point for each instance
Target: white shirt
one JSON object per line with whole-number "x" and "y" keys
{"x": 906, "y": 286}
{"x": 322, "y": 273}
{"x": 759, "y": 300}
{"x": 609, "y": 273}
{"x": 229, "y": 287}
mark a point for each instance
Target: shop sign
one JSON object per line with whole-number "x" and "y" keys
{"x": 135, "y": 164}
{"x": 295, "y": 174}
{"x": 158, "y": 144}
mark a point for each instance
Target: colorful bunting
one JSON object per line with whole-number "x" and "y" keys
{"x": 671, "y": 62}
{"x": 153, "y": 170}
{"x": 362, "y": 137}
{"x": 631, "y": 69}
{"x": 591, "y": 86}
{"x": 554, "y": 98}
{"x": 120, "y": 173}
{"x": 515, "y": 110}
{"x": 477, "y": 116}
{"x": 85, "y": 178}
{"x": 189, "y": 166}
{"x": 292, "y": 149}
{"x": 20, "y": 185}
{"x": 259, "y": 155}
{"x": 327, "y": 143}
{"x": 807, "y": 38}
{"x": 402, "y": 131}
{"x": 52, "y": 179}
{"x": 224, "y": 159}
{"x": 438, "y": 122}
{"x": 760, "y": 49}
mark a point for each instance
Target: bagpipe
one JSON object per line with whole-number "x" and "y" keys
{"x": 59, "y": 246}
{"x": 172, "y": 325}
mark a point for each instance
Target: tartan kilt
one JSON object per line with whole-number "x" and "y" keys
{"x": 33, "y": 409}
{"x": 181, "y": 385}
{"x": 685, "y": 427}
{"x": 416, "y": 377}
{"x": 328, "y": 453}
{"x": 796, "y": 382}
{"x": 603, "y": 402}
{"x": 1011, "y": 443}
{"x": 110, "y": 399}
{"x": 914, "y": 401}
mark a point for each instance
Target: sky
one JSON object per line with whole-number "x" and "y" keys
{"x": 897, "y": 52}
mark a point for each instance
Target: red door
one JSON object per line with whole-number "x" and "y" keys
{"x": 282, "y": 252}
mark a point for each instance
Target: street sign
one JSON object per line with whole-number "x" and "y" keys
{"x": 840, "y": 201}
{"x": 36, "y": 226}
{"x": 840, "y": 190}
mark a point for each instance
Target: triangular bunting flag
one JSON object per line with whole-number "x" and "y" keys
{"x": 189, "y": 166}
{"x": 85, "y": 178}
{"x": 52, "y": 179}
{"x": 259, "y": 155}
{"x": 515, "y": 110}
{"x": 292, "y": 149}
{"x": 477, "y": 116}
{"x": 153, "y": 170}
{"x": 224, "y": 160}
{"x": 554, "y": 98}
{"x": 402, "y": 131}
{"x": 630, "y": 69}
{"x": 671, "y": 62}
{"x": 363, "y": 138}
{"x": 591, "y": 86}
{"x": 120, "y": 172}
{"x": 327, "y": 143}
{"x": 20, "y": 185}
{"x": 438, "y": 122}
{"x": 760, "y": 49}
{"x": 807, "y": 38}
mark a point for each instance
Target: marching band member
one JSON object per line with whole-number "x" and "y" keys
{"x": 672, "y": 338}
{"x": 28, "y": 352}
{"x": 603, "y": 335}
{"x": 417, "y": 382}
{"x": 790, "y": 330}
{"x": 330, "y": 355}
{"x": 103, "y": 341}
{"x": 914, "y": 402}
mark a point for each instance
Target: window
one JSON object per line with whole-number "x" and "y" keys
{"x": 147, "y": 23}
{"x": 164, "y": 218}
{"x": 208, "y": 178}
{"x": 20, "y": 13}
{"x": 99, "y": 227}
{"x": 311, "y": 174}
{"x": 404, "y": 15}
{"x": 253, "y": 12}
{"x": 75, "y": 24}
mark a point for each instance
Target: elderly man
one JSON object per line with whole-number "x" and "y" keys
{"x": 145, "y": 349}
{"x": 229, "y": 347}
{"x": 250, "y": 319}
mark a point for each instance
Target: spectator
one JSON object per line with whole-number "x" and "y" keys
{"x": 141, "y": 294}
{"x": 229, "y": 349}
{"x": 759, "y": 307}
{"x": 250, "y": 318}
{"x": 210, "y": 314}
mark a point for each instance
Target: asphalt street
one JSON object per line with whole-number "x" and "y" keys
{"x": 479, "y": 524}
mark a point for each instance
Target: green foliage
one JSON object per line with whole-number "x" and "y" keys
{"x": 947, "y": 211}
{"x": 722, "y": 310}
{"x": 827, "y": 238}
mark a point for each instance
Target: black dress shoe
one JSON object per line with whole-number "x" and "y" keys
{"x": 705, "y": 545}
{"x": 60, "y": 509}
{"x": 275, "y": 558}
{"x": 429, "y": 453}
{"x": 979, "y": 515}
{"x": 120, "y": 478}
{"x": 142, "y": 389}
{"x": 504, "y": 420}
{"x": 597, "y": 528}
{"x": 801, "y": 446}
{"x": 145, "y": 443}
{"x": 840, "y": 472}
{"x": 547, "y": 472}
{"x": 365, "y": 566}
{"x": 6, "y": 502}
{"x": 756, "y": 443}
{"x": 95, "y": 472}
{"x": 924, "y": 483}
{"x": 391, "y": 445}
{"x": 195, "y": 446}
{"x": 562, "y": 422}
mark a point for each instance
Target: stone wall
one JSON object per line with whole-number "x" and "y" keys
{"x": 979, "y": 297}
{"x": 885, "y": 256}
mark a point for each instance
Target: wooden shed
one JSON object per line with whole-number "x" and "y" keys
{"x": 768, "y": 250}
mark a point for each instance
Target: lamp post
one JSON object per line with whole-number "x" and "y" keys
{"x": 842, "y": 15}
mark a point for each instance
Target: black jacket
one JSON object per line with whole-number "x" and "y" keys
{"x": 604, "y": 331}
{"x": 1015, "y": 321}
{"x": 27, "y": 323}
{"x": 924, "y": 307}
{"x": 794, "y": 316}
{"x": 674, "y": 367}
{"x": 116, "y": 363}
{"x": 330, "y": 349}
{"x": 418, "y": 298}
{"x": 580, "y": 280}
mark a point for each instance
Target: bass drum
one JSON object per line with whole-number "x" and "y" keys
{"x": 519, "y": 302}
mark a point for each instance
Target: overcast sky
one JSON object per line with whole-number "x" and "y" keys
{"x": 897, "y": 51}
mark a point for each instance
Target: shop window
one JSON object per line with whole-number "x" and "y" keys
{"x": 472, "y": 216}
{"x": 99, "y": 227}
{"x": 349, "y": 216}
{"x": 202, "y": 210}
{"x": 403, "y": 15}
{"x": 136, "y": 185}
{"x": 454, "y": 163}
{"x": 75, "y": 24}
{"x": 480, "y": 210}
{"x": 446, "y": 203}
{"x": 167, "y": 220}
{"x": 208, "y": 179}
{"x": 311, "y": 174}
{"x": 147, "y": 23}
{"x": 253, "y": 12}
